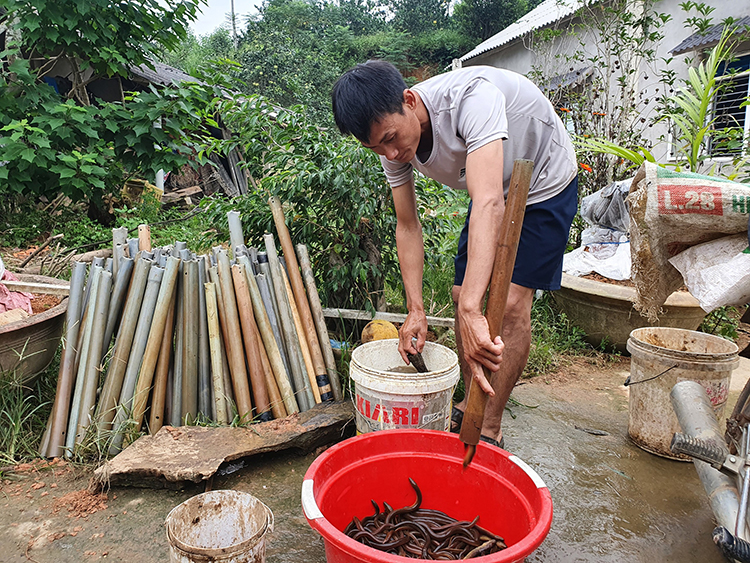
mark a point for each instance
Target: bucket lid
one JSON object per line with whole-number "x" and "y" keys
{"x": 220, "y": 500}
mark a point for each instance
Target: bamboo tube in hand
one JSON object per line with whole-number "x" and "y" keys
{"x": 502, "y": 273}
{"x": 250, "y": 336}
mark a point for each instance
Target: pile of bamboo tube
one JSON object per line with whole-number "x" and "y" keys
{"x": 162, "y": 336}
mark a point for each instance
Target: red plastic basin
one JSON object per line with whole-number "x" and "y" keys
{"x": 509, "y": 497}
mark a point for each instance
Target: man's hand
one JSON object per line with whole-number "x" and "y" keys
{"x": 479, "y": 349}
{"x": 415, "y": 326}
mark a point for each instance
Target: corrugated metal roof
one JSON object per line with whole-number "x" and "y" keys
{"x": 710, "y": 37}
{"x": 162, "y": 74}
{"x": 544, "y": 14}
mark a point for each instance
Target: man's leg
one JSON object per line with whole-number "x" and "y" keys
{"x": 517, "y": 338}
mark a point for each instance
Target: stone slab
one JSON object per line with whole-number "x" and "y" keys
{"x": 174, "y": 456}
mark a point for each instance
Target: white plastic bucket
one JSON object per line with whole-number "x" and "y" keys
{"x": 226, "y": 526}
{"x": 662, "y": 357}
{"x": 389, "y": 394}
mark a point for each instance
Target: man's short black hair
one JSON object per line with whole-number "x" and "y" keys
{"x": 364, "y": 94}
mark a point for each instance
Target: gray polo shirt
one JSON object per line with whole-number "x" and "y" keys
{"x": 473, "y": 106}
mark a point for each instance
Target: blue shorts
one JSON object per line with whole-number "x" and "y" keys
{"x": 544, "y": 238}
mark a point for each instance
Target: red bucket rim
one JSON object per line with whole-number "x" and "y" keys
{"x": 341, "y": 541}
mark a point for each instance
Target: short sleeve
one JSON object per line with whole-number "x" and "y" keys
{"x": 481, "y": 116}
{"x": 396, "y": 173}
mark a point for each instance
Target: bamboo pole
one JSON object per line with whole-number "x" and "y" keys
{"x": 190, "y": 346}
{"x": 320, "y": 322}
{"x": 66, "y": 377}
{"x": 214, "y": 338}
{"x": 119, "y": 291}
{"x": 70, "y": 438}
{"x": 144, "y": 237}
{"x": 87, "y": 293}
{"x": 161, "y": 375}
{"x": 175, "y": 410}
{"x": 118, "y": 254}
{"x": 298, "y": 287}
{"x": 305, "y": 398}
{"x": 228, "y": 391}
{"x": 274, "y": 394}
{"x": 236, "y": 238}
{"x": 113, "y": 382}
{"x": 270, "y": 345}
{"x": 235, "y": 353}
{"x": 204, "y": 357}
{"x": 92, "y": 369}
{"x": 154, "y": 341}
{"x": 140, "y": 340}
{"x": 265, "y": 270}
{"x": 268, "y": 302}
{"x": 304, "y": 348}
{"x": 250, "y": 336}
{"x": 133, "y": 245}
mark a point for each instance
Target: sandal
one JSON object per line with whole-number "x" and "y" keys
{"x": 493, "y": 442}
{"x": 457, "y": 417}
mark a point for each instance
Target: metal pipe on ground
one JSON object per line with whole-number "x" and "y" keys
{"x": 66, "y": 376}
{"x": 140, "y": 340}
{"x": 93, "y": 367}
{"x": 190, "y": 347}
{"x": 305, "y": 398}
{"x": 154, "y": 341}
{"x": 303, "y": 344}
{"x": 110, "y": 394}
{"x": 320, "y": 322}
{"x": 309, "y": 332}
{"x": 235, "y": 353}
{"x": 698, "y": 420}
{"x": 204, "y": 356}
{"x": 270, "y": 345}
{"x": 161, "y": 375}
{"x": 75, "y": 407}
{"x": 214, "y": 338}
{"x": 251, "y": 338}
{"x": 116, "y": 301}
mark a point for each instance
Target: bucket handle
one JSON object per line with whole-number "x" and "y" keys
{"x": 629, "y": 383}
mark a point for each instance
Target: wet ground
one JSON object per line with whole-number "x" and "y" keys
{"x": 612, "y": 501}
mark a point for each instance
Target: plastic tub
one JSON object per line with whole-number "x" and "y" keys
{"x": 662, "y": 357}
{"x": 225, "y": 526}
{"x": 510, "y": 499}
{"x": 389, "y": 394}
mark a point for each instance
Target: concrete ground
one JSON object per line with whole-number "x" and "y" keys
{"x": 612, "y": 501}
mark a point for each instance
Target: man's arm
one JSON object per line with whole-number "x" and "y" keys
{"x": 410, "y": 247}
{"x": 484, "y": 180}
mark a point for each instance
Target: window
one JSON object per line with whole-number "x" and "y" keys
{"x": 731, "y": 120}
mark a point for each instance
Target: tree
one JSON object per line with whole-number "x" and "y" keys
{"x": 419, "y": 16}
{"x": 481, "y": 19}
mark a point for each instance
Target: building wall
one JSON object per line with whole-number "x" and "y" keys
{"x": 533, "y": 60}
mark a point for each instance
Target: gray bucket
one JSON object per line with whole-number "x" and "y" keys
{"x": 662, "y": 357}
{"x": 226, "y": 526}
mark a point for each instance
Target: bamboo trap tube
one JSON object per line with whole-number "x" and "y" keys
{"x": 66, "y": 378}
{"x": 305, "y": 397}
{"x": 144, "y": 237}
{"x": 269, "y": 302}
{"x": 190, "y": 346}
{"x": 204, "y": 357}
{"x": 87, "y": 293}
{"x": 236, "y": 238}
{"x": 228, "y": 391}
{"x": 214, "y": 338}
{"x": 133, "y": 245}
{"x": 118, "y": 364}
{"x": 274, "y": 394}
{"x": 502, "y": 272}
{"x": 265, "y": 269}
{"x": 269, "y": 343}
{"x": 161, "y": 375}
{"x": 304, "y": 347}
{"x": 175, "y": 408}
{"x": 320, "y": 322}
{"x": 234, "y": 348}
{"x": 154, "y": 341}
{"x": 298, "y": 287}
{"x": 70, "y": 438}
{"x": 118, "y": 254}
{"x": 252, "y": 350}
{"x": 119, "y": 291}
{"x": 92, "y": 369}
{"x": 140, "y": 340}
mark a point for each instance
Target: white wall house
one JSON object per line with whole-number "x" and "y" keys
{"x": 558, "y": 46}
